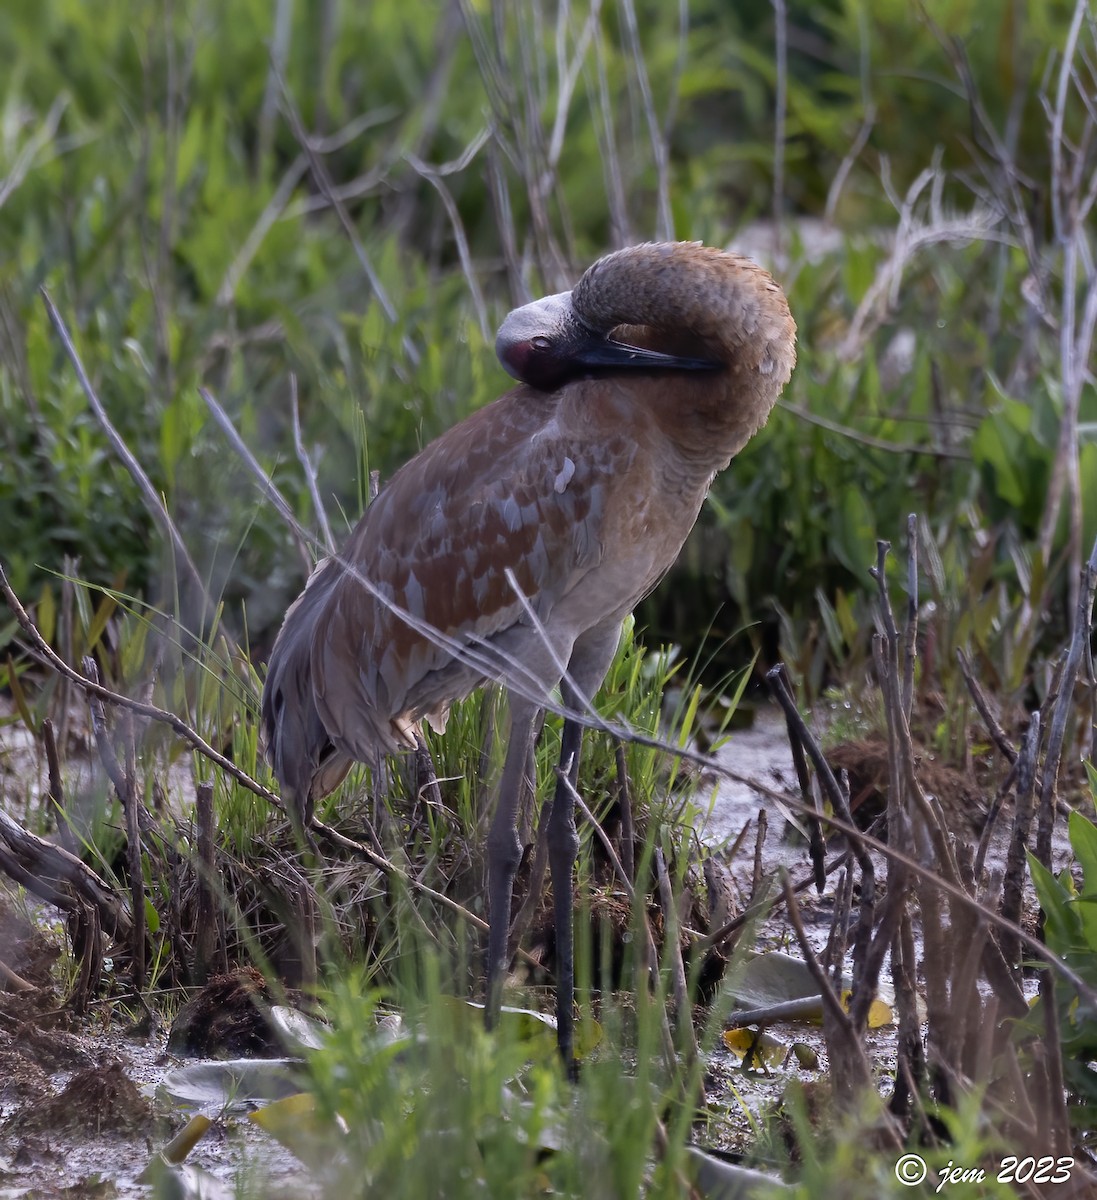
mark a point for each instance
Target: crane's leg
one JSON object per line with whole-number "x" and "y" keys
{"x": 590, "y": 660}
{"x": 505, "y": 847}
{"x": 563, "y": 847}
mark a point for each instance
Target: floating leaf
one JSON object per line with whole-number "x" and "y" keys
{"x": 233, "y": 1084}
{"x": 768, "y": 979}
{"x": 527, "y": 1026}
{"x": 717, "y": 1179}
{"x": 298, "y": 1031}
{"x": 780, "y": 982}
{"x": 807, "y": 1056}
{"x": 294, "y": 1123}
{"x": 754, "y": 1047}
{"x": 185, "y": 1182}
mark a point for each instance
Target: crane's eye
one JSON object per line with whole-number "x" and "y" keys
{"x": 540, "y": 343}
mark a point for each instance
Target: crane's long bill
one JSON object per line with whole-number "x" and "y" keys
{"x": 604, "y": 352}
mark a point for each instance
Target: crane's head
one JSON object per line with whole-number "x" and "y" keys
{"x": 545, "y": 344}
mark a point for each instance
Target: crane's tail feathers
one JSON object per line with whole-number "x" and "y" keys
{"x": 299, "y": 750}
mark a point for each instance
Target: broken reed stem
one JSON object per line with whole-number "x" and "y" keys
{"x": 56, "y": 789}
{"x": 671, "y": 945}
{"x": 1016, "y": 855}
{"x": 997, "y": 734}
{"x": 848, "y": 1062}
{"x": 816, "y": 843}
{"x": 1055, "y": 1100}
{"x": 911, "y": 818}
{"x": 672, "y": 951}
{"x": 899, "y": 725}
{"x": 624, "y": 801}
{"x": 205, "y": 937}
{"x": 308, "y": 469}
{"x": 1004, "y": 788}
{"x": 86, "y": 935}
{"x": 969, "y": 932}
{"x": 1079, "y": 642}
{"x": 107, "y": 755}
{"x": 910, "y": 639}
{"x": 834, "y": 953}
{"x": 904, "y": 971}
{"x": 759, "y": 842}
{"x": 777, "y": 678}
{"x": 134, "y": 860}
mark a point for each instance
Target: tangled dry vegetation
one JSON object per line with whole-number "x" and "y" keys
{"x": 915, "y": 891}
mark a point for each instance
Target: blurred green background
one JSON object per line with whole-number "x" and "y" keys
{"x": 154, "y": 178}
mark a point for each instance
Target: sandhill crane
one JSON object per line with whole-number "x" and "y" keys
{"x": 517, "y": 542}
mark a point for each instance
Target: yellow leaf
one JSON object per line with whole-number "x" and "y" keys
{"x": 753, "y": 1047}
{"x": 186, "y": 1139}
{"x": 293, "y": 1121}
{"x": 879, "y": 1013}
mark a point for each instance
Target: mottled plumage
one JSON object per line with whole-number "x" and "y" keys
{"x": 583, "y": 482}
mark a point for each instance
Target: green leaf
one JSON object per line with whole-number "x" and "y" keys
{"x": 1062, "y": 924}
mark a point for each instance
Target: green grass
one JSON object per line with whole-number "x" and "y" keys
{"x": 133, "y": 199}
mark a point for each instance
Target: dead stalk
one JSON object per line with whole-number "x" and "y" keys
{"x": 1016, "y": 860}
{"x": 779, "y": 685}
{"x": 309, "y": 471}
{"x": 849, "y": 1064}
{"x": 810, "y": 797}
{"x": 1079, "y": 642}
{"x": 56, "y": 789}
{"x": 205, "y": 937}
{"x": 982, "y": 704}
{"x": 324, "y": 183}
{"x": 301, "y": 536}
{"x": 624, "y": 800}
{"x": 131, "y": 809}
{"x": 759, "y": 842}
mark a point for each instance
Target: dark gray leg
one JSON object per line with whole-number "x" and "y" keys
{"x": 590, "y": 659}
{"x": 505, "y": 849}
{"x": 563, "y": 846}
